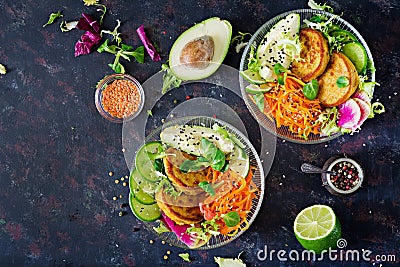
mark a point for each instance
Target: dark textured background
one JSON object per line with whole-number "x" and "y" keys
{"x": 56, "y": 151}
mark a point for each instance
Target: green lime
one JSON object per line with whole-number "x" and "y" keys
{"x": 344, "y": 36}
{"x": 239, "y": 161}
{"x": 252, "y": 77}
{"x": 257, "y": 89}
{"x": 317, "y": 228}
{"x": 357, "y": 54}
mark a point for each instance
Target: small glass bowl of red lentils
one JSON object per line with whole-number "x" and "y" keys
{"x": 345, "y": 177}
{"x": 119, "y": 97}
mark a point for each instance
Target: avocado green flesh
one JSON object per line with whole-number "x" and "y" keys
{"x": 187, "y": 138}
{"x": 219, "y": 30}
{"x": 269, "y": 53}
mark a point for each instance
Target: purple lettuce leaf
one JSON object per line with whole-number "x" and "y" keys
{"x": 90, "y": 38}
{"x": 151, "y": 50}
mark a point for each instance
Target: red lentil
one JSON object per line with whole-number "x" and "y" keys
{"x": 120, "y": 98}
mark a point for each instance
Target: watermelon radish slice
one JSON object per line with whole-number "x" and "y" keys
{"x": 180, "y": 231}
{"x": 362, "y": 95}
{"x": 349, "y": 114}
{"x": 365, "y": 109}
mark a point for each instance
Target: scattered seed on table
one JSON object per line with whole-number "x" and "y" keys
{"x": 115, "y": 198}
{"x": 116, "y": 181}
{"x": 122, "y": 178}
{"x": 120, "y": 196}
{"x": 168, "y": 252}
{"x": 110, "y": 173}
{"x": 151, "y": 241}
{"x": 123, "y": 150}
{"x": 163, "y": 242}
{"x": 165, "y": 257}
{"x": 124, "y": 184}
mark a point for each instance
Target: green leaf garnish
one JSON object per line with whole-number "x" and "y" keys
{"x": 342, "y": 82}
{"x": 207, "y": 187}
{"x": 278, "y": 69}
{"x": 231, "y": 219}
{"x": 52, "y": 18}
{"x": 310, "y": 89}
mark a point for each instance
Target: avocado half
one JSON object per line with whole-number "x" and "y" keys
{"x": 219, "y": 30}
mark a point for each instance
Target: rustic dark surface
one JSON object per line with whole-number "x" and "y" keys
{"x": 56, "y": 206}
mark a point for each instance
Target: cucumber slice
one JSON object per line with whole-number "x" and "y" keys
{"x": 239, "y": 161}
{"x": 357, "y": 54}
{"x": 145, "y": 213}
{"x": 252, "y": 77}
{"x": 146, "y": 186}
{"x": 344, "y": 36}
{"x": 136, "y": 187}
{"x": 144, "y": 163}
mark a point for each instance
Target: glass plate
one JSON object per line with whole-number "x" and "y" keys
{"x": 258, "y": 178}
{"x": 268, "y": 124}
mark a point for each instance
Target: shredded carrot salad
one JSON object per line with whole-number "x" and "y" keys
{"x": 288, "y": 105}
{"x": 238, "y": 197}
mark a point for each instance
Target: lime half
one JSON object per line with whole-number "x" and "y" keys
{"x": 357, "y": 54}
{"x": 239, "y": 161}
{"x": 252, "y": 77}
{"x": 317, "y": 228}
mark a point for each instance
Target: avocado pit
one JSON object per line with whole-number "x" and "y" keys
{"x": 197, "y": 54}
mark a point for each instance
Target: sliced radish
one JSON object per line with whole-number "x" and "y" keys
{"x": 362, "y": 95}
{"x": 192, "y": 241}
{"x": 349, "y": 114}
{"x": 365, "y": 109}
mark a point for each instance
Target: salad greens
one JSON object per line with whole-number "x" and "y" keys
{"x": 161, "y": 228}
{"x": 52, "y": 18}
{"x": 207, "y": 187}
{"x": 313, "y": 5}
{"x": 169, "y": 79}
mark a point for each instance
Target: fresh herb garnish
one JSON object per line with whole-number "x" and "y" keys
{"x": 310, "y": 89}
{"x": 212, "y": 156}
{"x": 231, "y": 219}
{"x": 185, "y": 256}
{"x": 376, "y": 108}
{"x": 342, "y": 82}
{"x": 165, "y": 184}
{"x": 207, "y": 187}
{"x": 281, "y": 72}
{"x": 124, "y": 51}
{"x": 52, "y": 18}
{"x": 90, "y": 2}
{"x": 169, "y": 79}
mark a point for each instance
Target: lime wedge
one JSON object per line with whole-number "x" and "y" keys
{"x": 317, "y": 228}
{"x": 239, "y": 161}
{"x": 252, "y": 77}
{"x": 344, "y": 36}
{"x": 257, "y": 89}
{"x": 357, "y": 54}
